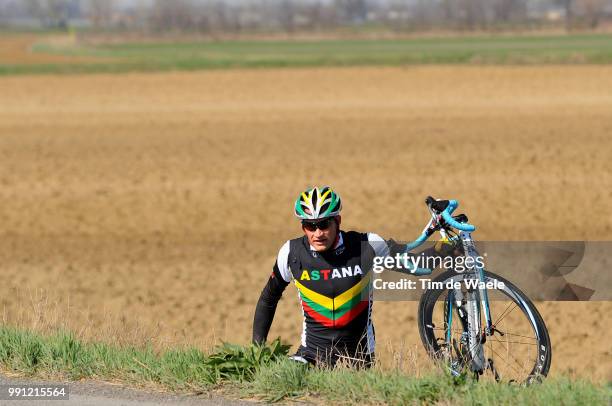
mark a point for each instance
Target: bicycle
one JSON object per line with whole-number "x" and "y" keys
{"x": 463, "y": 324}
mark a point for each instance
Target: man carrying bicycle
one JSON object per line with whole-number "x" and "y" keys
{"x": 331, "y": 269}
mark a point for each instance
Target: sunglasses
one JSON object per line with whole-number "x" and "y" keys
{"x": 321, "y": 225}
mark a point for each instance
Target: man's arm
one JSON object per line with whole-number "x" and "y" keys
{"x": 270, "y": 295}
{"x": 383, "y": 248}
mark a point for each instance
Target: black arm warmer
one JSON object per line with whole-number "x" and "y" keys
{"x": 266, "y": 306}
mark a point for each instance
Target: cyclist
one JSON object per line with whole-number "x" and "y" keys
{"x": 331, "y": 270}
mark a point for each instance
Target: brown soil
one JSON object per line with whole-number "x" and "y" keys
{"x": 160, "y": 200}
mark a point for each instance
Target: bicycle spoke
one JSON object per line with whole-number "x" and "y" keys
{"x": 507, "y": 363}
{"x": 510, "y": 342}
{"x": 437, "y": 328}
{"x": 516, "y": 361}
{"x": 505, "y": 313}
{"x": 518, "y": 335}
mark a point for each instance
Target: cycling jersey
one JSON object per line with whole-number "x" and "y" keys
{"x": 335, "y": 292}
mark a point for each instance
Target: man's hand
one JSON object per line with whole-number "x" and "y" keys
{"x": 446, "y": 248}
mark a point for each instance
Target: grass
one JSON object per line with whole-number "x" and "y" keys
{"x": 343, "y": 386}
{"x": 62, "y": 355}
{"x": 266, "y": 373}
{"x": 162, "y": 56}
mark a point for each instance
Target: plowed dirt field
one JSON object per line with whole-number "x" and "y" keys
{"x": 154, "y": 204}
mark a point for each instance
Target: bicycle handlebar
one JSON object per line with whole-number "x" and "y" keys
{"x": 447, "y": 216}
{"x": 445, "y": 208}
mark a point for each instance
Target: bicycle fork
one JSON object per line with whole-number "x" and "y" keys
{"x": 470, "y": 349}
{"x": 475, "y": 338}
{"x": 469, "y": 305}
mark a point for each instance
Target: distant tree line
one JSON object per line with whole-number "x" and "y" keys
{"x": 289, "y": 16}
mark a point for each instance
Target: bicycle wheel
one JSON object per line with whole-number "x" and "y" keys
{"x": 519, "y": 349}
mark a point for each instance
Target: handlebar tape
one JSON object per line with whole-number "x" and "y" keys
{"x": 447, "y": 216}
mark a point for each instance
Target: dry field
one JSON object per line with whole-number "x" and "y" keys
{"x": 17, "y": 49}
{"x": 154, "y": 204}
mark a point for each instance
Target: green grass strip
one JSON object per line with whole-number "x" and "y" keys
{"x": 266, "y": 372}
{"x": 285, "y": 379}
{"x": 62, "y": 355}
{"x": 199, "y": 55}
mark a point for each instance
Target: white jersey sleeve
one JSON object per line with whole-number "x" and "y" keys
{"x": 379, "y": 245}
{"x": 282, "y": 262}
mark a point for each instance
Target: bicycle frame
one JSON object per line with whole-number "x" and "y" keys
{"x": 438, "y": 222}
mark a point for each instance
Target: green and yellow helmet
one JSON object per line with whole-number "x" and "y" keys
{"x": 317, "y": 203}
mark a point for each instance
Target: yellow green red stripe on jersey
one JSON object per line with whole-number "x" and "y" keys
{"x": 335, "y": 311}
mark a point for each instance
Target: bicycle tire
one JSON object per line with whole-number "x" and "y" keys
{"x": 427, "y": 329}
